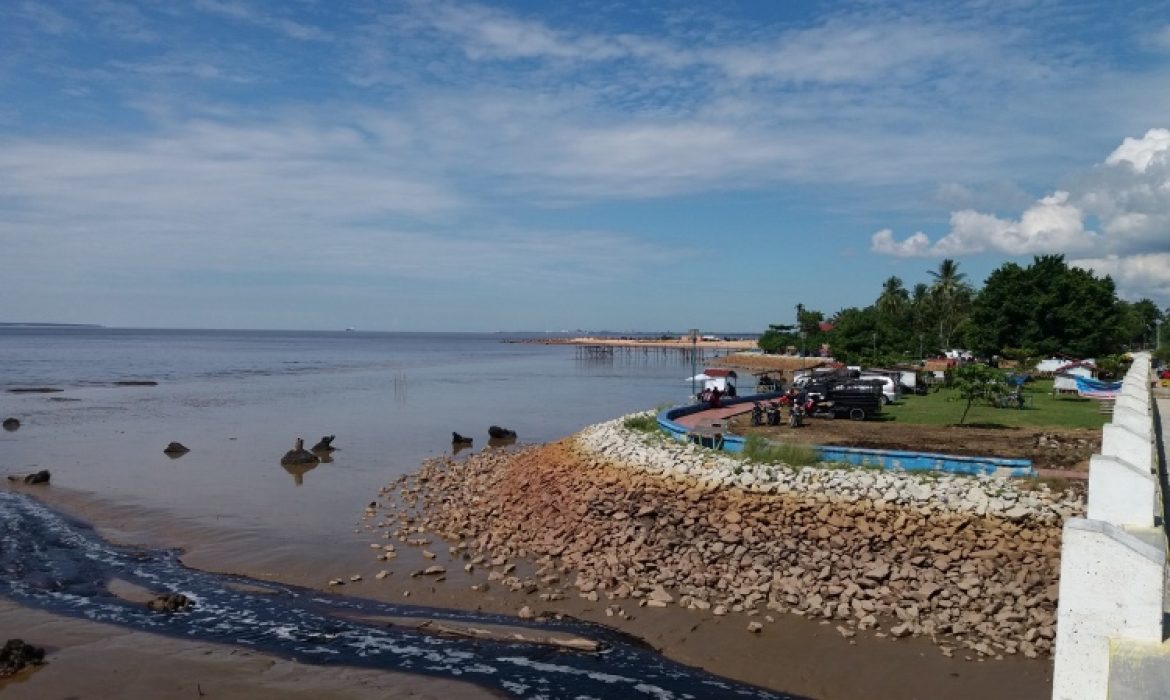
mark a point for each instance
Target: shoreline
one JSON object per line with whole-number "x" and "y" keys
{"x": 792, "y": 653}
{"x": 530, "y": 521}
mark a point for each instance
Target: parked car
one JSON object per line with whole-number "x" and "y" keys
{"x": 890, "y": 388}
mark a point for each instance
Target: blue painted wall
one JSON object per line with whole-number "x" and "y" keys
{"x": 892, "y": 460}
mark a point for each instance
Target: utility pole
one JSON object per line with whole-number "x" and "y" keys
{"x": 694, "y": 359}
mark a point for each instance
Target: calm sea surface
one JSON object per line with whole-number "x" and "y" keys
{"x": 238, "y": 399}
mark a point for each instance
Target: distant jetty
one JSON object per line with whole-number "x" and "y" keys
{"x": 608, "y": 347}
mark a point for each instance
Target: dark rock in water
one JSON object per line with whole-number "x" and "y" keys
{"x": 299, "y": 455}
{"x": 16, "y": 655}
{"x": 41, "y": 477}
{"x": 136, "y": 383}
{"x": 171, "y": 602}
{"x": 501, "y": 433}
{"x": 34, "y": 390}
{"x": 457, "y": 439}
{"x": 325, "y": 444}
{"x": 176, "y": 449}
{"x": 11, "y": 424}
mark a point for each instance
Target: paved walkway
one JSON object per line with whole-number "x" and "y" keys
{"x": 714, "y": 417}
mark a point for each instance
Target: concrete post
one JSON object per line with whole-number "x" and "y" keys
{"x": 1119, "y": 441}
{"x": 1136, "y": 421}
{"x": 1121, "y": 493}
{"x": 1136, "y": 404}
{"x": 1111, "y": 586}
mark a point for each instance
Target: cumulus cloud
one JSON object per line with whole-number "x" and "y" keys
{"x": 1050, "y": 224}
{"x": 1153, "y": 149}
{"x": 1144, "y": 275}
{"x": 1128, "y": 194}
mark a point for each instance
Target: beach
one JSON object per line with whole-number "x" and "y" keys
{"x": 232, "y": 508}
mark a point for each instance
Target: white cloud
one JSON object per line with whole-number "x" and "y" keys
{"x": 244, "y": 13}
{"x": 286, "y": 196}
{"x": 1050, "y": 224}
{"x": 47, "y": 18}
{"x": 1153, "y": 149}
{"x": 1136, "y": 276}
{"x": 915, "y": 246}
{"x": 1128, "y": 194}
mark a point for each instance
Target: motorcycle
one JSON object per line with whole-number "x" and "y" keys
{"x": 796, "y": 415}
{"x": 757, "y": 413}
{"x": 773, "y": 413}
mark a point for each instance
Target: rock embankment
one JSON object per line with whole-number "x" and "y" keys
{"x": 611, "y": 515}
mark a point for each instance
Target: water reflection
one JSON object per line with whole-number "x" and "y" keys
{"x": 298, "y": 470}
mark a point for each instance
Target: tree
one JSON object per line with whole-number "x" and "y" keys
{"x": 950, "y": 300}
{"x": 894, "y": 298}
{"x": 1139, "y": 322}
{"x": 1049, "y": 307}
{"x": 975, "y": 382}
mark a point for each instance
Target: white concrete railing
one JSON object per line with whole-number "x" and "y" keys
{"x": 1113, "y": 562}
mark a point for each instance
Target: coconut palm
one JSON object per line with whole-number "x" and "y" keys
{"x": 951, "y": 298}
{"x": 894, "y": 297}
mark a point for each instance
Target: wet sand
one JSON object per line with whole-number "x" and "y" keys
{"x": 793, "y": 655}
{"x": 94, "y": 660}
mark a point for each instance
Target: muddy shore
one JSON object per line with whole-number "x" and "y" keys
{"x": 764, "y": 588}
{"x": 523, "y": 506}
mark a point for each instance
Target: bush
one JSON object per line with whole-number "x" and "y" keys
{"x": 643, "y": 423}
{"x": 757, "y": 449}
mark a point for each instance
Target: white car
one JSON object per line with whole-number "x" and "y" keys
{"x": 889, "y": 386}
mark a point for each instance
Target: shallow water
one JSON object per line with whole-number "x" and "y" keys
{"x": 239, "y": 398}
{"x": 51, "y": 562}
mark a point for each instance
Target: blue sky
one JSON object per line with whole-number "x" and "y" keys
{"x": 531, "y": 165}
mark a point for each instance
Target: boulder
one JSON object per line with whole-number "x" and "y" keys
{"x": 299, "y": 455}
{"x": 325, "y": 444}
{"x": 169, "y": 603}
{"x": 457, "y": 439}
{"x": 176, "y": 449}
{"x": 499, "y": 433}
{"x": 16, "y": 654}
{"x": 41, "y": 477}
{"x": 11, "y": 424}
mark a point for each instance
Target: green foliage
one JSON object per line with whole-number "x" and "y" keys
{"x": 1139, "y": 322}
{"x": 643, "y": 423}
{"x": 1048, "y": 306}
{"x": 1044, "y": 410}
{"x": 758, "y": 449}
{"x": 976, "y": 382}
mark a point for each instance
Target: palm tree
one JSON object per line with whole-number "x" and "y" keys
{"x": 951, "y": 297}
{"x": 948, "y": 280}
{"x": 894, "y": 297}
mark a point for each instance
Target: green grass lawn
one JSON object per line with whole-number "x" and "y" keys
{"x": 1043, "y": 410}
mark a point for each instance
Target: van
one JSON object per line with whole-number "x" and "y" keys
{"x": 889, "y": 386}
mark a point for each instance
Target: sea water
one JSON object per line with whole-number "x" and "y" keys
{"x": 238, "y": 400}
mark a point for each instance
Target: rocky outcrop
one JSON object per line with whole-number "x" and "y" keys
{"x": 169, "y": 603}
{"x": 325, "y": 444}
{"x": 176, "y": 449}
{"x": 498, "y": 433}
{"x": 298, "y": 455}
{"x": 16, "y": 654}
{"x": 41, "y": 477}
{"x": 969, "y": 562}
{"x": 11, "y": 424}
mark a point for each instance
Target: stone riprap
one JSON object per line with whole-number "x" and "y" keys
{"x": 981, "y": 495}
{"x": 634, "y": 519}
